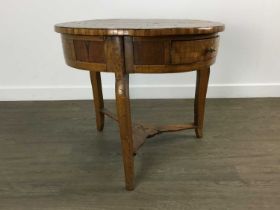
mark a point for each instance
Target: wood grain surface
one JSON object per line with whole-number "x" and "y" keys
{"x": 168, "y": 54}
{"x": 139, "y": 27}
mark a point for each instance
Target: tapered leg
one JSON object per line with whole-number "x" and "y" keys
{"x": 124, "y": 117}
{"x": 200, "y": 96}
{"x": 98, "y": 99}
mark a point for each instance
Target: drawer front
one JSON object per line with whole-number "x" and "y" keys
{"x": 193, "y": 51}
{"x": 85, "y": 52}
{"x": 89, "y": 51}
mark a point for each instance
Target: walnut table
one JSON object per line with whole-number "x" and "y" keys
{"x": 124, "y": 47}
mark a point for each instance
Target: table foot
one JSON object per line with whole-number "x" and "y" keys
{"x": 198, "y": 133}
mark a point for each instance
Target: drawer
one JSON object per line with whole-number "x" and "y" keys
{"x": 193, "y": 51}
{"x": 89, "y": 51}
{"x": 84, "y": 52}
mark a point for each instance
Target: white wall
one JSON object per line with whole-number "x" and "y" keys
{"x": 32, "y": 65}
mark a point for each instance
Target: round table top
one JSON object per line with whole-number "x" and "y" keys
{"x": 140, "y": 27}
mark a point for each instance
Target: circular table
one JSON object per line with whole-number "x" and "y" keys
{"x": 127, "y": 46}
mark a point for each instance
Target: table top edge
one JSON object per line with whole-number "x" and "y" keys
{"x": 200, "y": 27}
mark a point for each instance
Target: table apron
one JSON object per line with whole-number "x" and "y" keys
{"x": 168, "y": 54}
